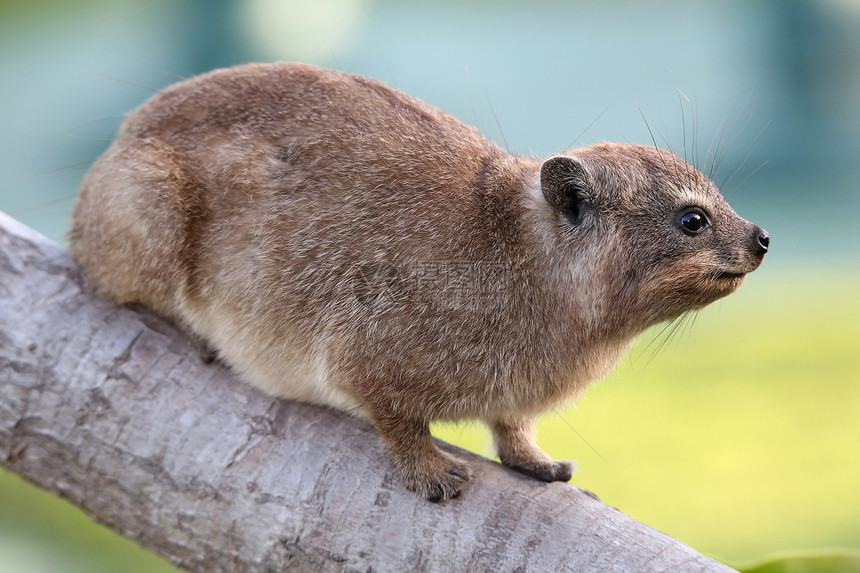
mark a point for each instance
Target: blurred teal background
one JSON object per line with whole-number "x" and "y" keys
{"x": 740, "y": 435}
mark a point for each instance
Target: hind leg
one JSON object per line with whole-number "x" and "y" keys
{"x": 130, "y": 225}
{"x": 515, "y": 444}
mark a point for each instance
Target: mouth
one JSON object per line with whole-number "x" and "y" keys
{"x": 729, "y": 277}
{"x": 726, "y": 282}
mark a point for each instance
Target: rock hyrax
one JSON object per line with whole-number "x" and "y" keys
{"x": 339, "y": 242}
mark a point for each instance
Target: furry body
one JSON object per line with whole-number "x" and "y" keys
{"x": 339, "y": 242}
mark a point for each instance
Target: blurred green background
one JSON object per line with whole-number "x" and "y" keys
{"x": 739, "y": 431}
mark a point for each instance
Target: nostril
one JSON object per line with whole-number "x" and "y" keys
{"x": 764, "y": 241}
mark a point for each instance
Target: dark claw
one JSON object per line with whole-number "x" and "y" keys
{"x": 436, "y": 494}
{"x": 553, "y": 471}
{"x": 457, "y": 472}
{"x": 546, "y": 474}
{"x": 564, "y": 471}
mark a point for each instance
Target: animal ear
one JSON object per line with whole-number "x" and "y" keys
{"x": 564, "y": 183}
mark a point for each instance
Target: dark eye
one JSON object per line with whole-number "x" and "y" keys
{"x": 692, "y": 221}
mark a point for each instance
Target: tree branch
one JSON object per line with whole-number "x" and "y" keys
{"x": 112, "y": 409}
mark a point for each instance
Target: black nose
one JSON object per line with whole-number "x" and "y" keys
{"x": 763, "y": 241}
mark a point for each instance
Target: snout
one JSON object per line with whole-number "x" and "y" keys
{"x": 760, "y": 241}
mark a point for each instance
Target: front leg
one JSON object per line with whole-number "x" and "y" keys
{"x": 515, "y": 444}
{"x": 422, "y": 466}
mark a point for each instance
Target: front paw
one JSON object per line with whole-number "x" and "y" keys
{"x": 439, "y": 483}
{"x": 422, "y": 467}
{"x": 545, "y": 471}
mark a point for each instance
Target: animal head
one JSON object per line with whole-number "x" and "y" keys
{"x": 650, "y": 228}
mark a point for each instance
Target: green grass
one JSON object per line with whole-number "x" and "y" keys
{"x": 826, "y": 561}
{"x": 739, "y": 436}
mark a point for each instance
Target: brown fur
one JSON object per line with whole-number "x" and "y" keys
{"x": 337, "y": 241}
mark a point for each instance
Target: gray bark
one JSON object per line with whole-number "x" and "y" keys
{"x": 113, "y": 409}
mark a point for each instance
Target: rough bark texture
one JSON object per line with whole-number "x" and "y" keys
{"x": 112, "y": 409}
